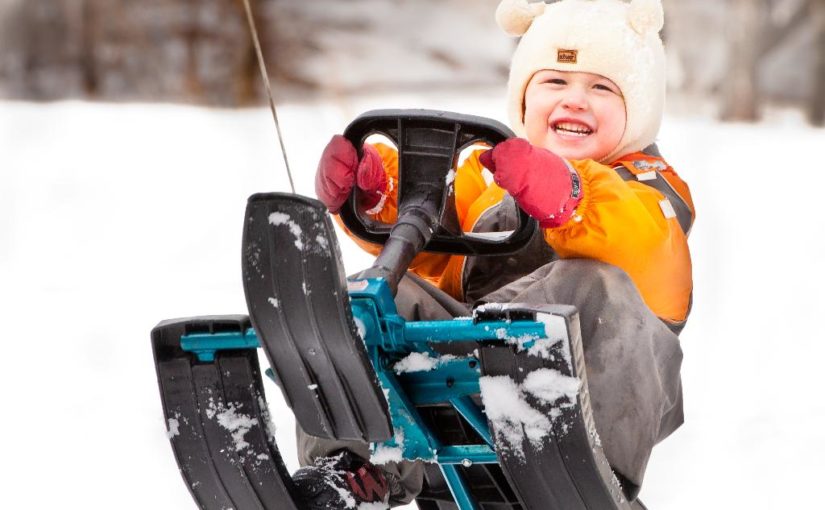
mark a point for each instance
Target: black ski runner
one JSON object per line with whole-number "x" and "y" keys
{"x": 568, "y": 470}
{"x": 218, "y": 420}
{"x": 297, "y": 298}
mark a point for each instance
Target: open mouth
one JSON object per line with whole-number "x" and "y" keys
{"x": 568, "y": 128}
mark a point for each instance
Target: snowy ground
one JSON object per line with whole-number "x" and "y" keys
{"x": 113, "y": 217}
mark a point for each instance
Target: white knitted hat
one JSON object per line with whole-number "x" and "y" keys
{"x": 616, "y": 39}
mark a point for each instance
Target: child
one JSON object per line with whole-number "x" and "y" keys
{"x": 586, "y": 94}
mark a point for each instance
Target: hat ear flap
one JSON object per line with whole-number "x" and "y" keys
{"x": 646, "y": 16}
{"x": 516, "y": 16}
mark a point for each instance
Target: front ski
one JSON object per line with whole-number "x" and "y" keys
{"x": 568, "y": 469}
{"x": 297, "y": 298}
{"x": 217, "y": 419}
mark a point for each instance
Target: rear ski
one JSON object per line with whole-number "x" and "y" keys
{"x": 568, "y": 470}
{"x": 218, "y": 421}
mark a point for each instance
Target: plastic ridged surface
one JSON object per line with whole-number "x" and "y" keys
{"x": 296, "y": 295}
{"x": 569, "y": 470}
{"x": 225, "y": 465}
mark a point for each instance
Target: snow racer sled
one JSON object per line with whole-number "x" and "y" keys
{"x": 333, "y": 342}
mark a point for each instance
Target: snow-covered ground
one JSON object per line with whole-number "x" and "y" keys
{"x": 113, "y": 217}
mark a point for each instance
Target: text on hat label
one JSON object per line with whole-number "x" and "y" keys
{"x": 567, "y": 56}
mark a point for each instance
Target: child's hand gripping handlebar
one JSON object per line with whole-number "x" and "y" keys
{"x": 543, "y": 184}
{"x": 429, "y": 143}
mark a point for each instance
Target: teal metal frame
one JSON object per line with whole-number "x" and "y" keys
{"x": 388, "y": 339}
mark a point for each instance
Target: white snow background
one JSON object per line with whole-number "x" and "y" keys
{"x": 113, "y": 217}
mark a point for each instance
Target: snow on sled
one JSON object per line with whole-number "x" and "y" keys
{"x": 506, "y": 424}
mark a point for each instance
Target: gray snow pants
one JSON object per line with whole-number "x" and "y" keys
{"x": 633, "y": 361}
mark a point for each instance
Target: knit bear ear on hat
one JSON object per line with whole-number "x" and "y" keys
{"x": 515, "y": 16}
{"x": 646, "y": 16}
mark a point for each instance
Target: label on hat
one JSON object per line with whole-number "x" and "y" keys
{"x": 567, "y": 56}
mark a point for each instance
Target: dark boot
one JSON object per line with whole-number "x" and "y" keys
{"x": 341, "y": 481}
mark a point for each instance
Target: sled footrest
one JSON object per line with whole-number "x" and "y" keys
{"x": 298, "y": 302}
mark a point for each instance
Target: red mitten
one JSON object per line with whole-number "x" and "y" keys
{"x": 543, "y": 184}
{"x": 339, "y": 170}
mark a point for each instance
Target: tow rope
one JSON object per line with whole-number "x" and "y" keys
{"x": 265, "y": 76}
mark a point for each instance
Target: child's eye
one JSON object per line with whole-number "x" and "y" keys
{"x": 555, "y": 81}
{"x": 600, "y": 86}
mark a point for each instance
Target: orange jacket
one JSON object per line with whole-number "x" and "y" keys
{"x": 621, "y": 222}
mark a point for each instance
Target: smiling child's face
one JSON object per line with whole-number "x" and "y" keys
{"x": 575, "y": 115}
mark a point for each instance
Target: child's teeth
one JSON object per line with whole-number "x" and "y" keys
{"x": 572, "y": 128}
{"x": 568, "y": 129}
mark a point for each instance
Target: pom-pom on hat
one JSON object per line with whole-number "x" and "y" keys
{"x": 613, "y": 38}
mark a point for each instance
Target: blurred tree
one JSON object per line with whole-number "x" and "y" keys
{"x": 739, "y": 93}
{"x": 200, "y": 50}
{"x": 173, "y": 50}
{"x": 816, "y": 110}
{"x": 753, "y": 34}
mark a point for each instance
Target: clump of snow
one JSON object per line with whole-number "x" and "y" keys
{"x": 541, "y": 348}
{"x": 360, "y": 328}
{"x": 228, "y": 417}
{"x": 416, "y": 362}
{"x": 172, "y": 427}
{"x": 450, "y": 177}
{"x": 333, "y": 478}
{"x": 390, "y": 451}
{"x": 523, "y": 342}
{"x": 420, "y": 362}
{"x": 384, "y": 454}
{"x": 322, "y": 242}
{"x": 550, "y": 385}
{"x": 555, "y": 328}
{"x": 484, "y": 307}
{"x": 274, "y": 302}
{"x": 346, "y": 496}
{"x": 238, "y": 424}
{"x": 278, "y": 218}
{"x": 269, "y": 425}
{"x": 372, "y": 506}
{"x": 512, "y": 416}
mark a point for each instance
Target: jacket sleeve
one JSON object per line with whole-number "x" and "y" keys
{"x": 623, "y": 223}
{"x": 469, "y": 185}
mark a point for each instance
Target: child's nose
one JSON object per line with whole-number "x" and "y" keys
{"x": 575, "y": 100}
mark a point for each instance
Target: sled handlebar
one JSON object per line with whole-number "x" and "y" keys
{"x": 429, "y": 145}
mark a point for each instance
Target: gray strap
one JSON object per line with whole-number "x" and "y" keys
{"x": 680, "y": 207}
{"x": 652, "y": 150}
